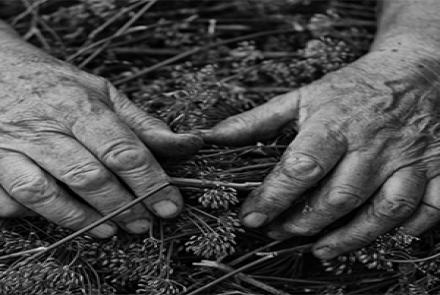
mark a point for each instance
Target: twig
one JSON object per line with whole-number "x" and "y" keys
{"x": 111, "y": 20}
{"x": 228, "y": 275}
{"x": 250, "y": 167}
{"x": 90, "y": 46}
{"x": 268, "y": 89}
{"x": 301, "y": 248}
{"x": 354, "y": 23}
{"x": 208, "y": 153}
{"x": 145, "y": 51}
{"x": 197, "y": 50}
{"x": 243, "y": 277}
{"x": 23, "y": 253}
{"x": 414, "y": 260}
{"x": 215, "y": 153}
{"x": 192, "y": 11}
{"x": 39, "y": 251}
{"x": 29, "y": 9}
{"x": 232, "y": 40}
{"x": 192, "y": 182}
{"x": 384, "y": 283}
{"x": 119, "y": 32}
{"x": 249, "y": 254}
{"x": 175, "y": 181}
{"x": 292, "y": 280}
{"x": 142, "y": 50}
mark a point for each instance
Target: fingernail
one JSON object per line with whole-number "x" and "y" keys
{"x": 165, "y": 208}
{"x": 139, "y": 226}
{"x": 324, "y": 252}
{"x": 254, "y": 219}
{"x": 104, "y": 230}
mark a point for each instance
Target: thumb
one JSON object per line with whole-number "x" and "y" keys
{"x": 152, "y": 131}
{"x": 262, "y": 122}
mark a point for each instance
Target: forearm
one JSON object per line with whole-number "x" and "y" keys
{"x": 409, "y": 25}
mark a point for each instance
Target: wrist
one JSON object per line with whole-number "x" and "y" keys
{"x": 405, "y": 53}
{"x": 406, "y": 63}
{"x": 408, "y": 44}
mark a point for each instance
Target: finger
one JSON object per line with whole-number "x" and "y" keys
{"x": 260, "y": 123}
{"x": 396, "y": 201}
{"x": 119, "y": 149}
{"x": 154, "y": 132}
{"x": 38, "y": 191}
{"x": 68, "y": 161}
{"x": 352, "y": 182}
{"x": 11, "y": 208}
{"x": 313, "y": 153}
{"x": 428, "y": 213}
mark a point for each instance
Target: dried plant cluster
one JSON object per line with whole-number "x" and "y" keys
{"x": 194, "y": 63}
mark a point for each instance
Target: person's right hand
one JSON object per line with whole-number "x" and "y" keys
{"x": 368, "y": 143}
{"x": 59, "y": 125}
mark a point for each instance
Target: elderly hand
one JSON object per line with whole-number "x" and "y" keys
{"x": 368, "y": 141}
{"x": 66, "y": 132}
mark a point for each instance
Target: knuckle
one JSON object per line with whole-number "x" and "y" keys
{"x": 266, "y": 200}
{"x": 148, "y": 123}
{"x": 85, "y": 98}
{"x": 358, "y": 238}
{"x": 74, "y": 218}
{"x": 334, "y": 131}
{"x": 344, "y": 197}
{"x": 126, "y": 156}
{"x": 34, "y": 190}
{"x": 269, "y": 199}
{"x": 238, "y": 120}
{"x": 234, "y": 123}
{"x": 395, "y": 208}
{"x": 86, "y": 175}
{"x": 300, "y": 169}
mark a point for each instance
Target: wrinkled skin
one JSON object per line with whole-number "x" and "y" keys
{"x": 368, "y": 142}
{"x": 73, "y": 149}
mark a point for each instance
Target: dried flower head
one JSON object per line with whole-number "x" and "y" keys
{"x": 219, "y": 198}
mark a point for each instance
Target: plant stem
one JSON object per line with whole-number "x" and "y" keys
{"x": 414, "y": 260}
{"x": 301, "y": 248}
{"x": 228, "y": 275}
{"x": 203, "y": 183}
{"x": 249, "y": 254}
{"x": 243, "y": 277}
{"x": 121, "y": 31}
{"x": 250, "y": 167}
{"x": 41, "y": 250}
{"x": 23, "y": 253}
{"x": 195, "y": 50}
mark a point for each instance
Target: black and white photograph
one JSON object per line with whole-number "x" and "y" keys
{"x": 219, "y": 147}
